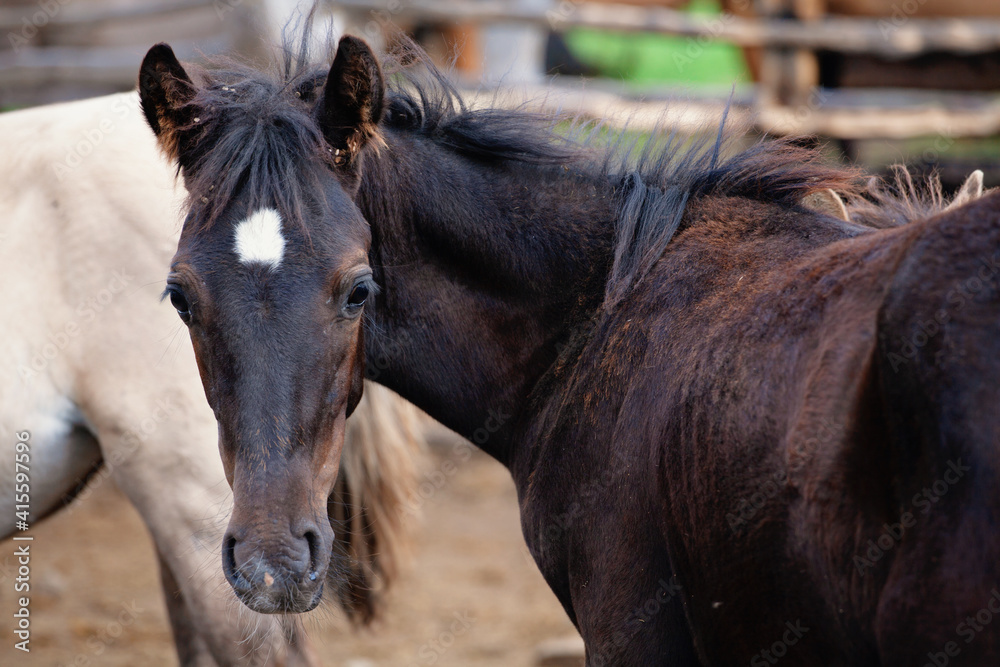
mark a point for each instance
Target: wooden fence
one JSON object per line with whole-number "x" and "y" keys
{"x": 785, "y": 101}
{"x": 58, "y": 49}
{"x": 52, "y": 50}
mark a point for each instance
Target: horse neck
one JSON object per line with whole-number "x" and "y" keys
{"x": 486, "y": 270}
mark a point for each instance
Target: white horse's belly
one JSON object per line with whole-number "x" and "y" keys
{"x": 61, "y": 453}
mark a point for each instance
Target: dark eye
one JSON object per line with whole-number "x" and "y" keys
{"x": 180, "y": 302}
{"x": 358, "y": 296}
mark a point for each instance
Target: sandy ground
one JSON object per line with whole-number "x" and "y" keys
{"x": 91, "y": 564}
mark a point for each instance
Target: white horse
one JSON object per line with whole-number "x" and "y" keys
{"x": 99, "y": 379}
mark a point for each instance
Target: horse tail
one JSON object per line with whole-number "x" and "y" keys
{"x": 373, "y": 504}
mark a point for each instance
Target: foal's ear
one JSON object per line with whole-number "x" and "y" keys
{"x": 165, "y": 89}
{"x": 353, "y": 100}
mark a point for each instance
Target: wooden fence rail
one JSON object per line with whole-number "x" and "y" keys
{"x": 12, "y": 18}
{"x": 888, "y": 37}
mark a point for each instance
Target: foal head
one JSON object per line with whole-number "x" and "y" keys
{"x": 271, "y": 277}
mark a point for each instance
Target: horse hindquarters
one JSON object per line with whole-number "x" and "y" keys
{"x": 939, "y": 367}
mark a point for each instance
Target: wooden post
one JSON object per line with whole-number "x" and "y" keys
{"x": 788, "y": 75}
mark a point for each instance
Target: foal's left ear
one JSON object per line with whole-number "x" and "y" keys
{"x": 353, "y": 100}
{"x": 165, "y": 90}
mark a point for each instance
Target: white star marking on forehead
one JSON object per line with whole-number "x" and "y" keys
{"x": 259, "y": 238}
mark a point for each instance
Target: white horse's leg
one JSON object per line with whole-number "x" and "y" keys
{"x": 191, "y": 648}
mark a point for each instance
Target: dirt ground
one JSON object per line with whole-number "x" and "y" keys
{"x": 93, "y": 563}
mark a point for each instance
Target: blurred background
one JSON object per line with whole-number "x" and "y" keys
{"x": 878, "y": 81}
{"x": 883, "y": 81}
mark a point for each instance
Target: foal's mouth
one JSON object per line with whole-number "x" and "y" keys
{"x": 274, "y": 598}
{"x": 295, "y": 602}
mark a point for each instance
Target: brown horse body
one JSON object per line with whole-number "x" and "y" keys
{"x": 801, "y": 424}
{"x": 697, "y": 383}
{"x": 703, "y": 467}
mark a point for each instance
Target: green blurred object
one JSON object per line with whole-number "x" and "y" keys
{"x": 643, "y": 58}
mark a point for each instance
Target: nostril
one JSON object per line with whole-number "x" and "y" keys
{"x": 312, "y": 539}
{"x": 229, "y": 557}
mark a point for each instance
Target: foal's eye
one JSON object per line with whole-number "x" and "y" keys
{"x": 180, "y": 302}
{"x": 358, "y": 296}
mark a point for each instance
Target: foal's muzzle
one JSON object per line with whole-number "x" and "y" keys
{"x": 278, "y": 574}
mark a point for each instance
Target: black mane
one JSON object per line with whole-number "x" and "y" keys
{"x": 654, "y": 184}
{"x": 424, "y": 101}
